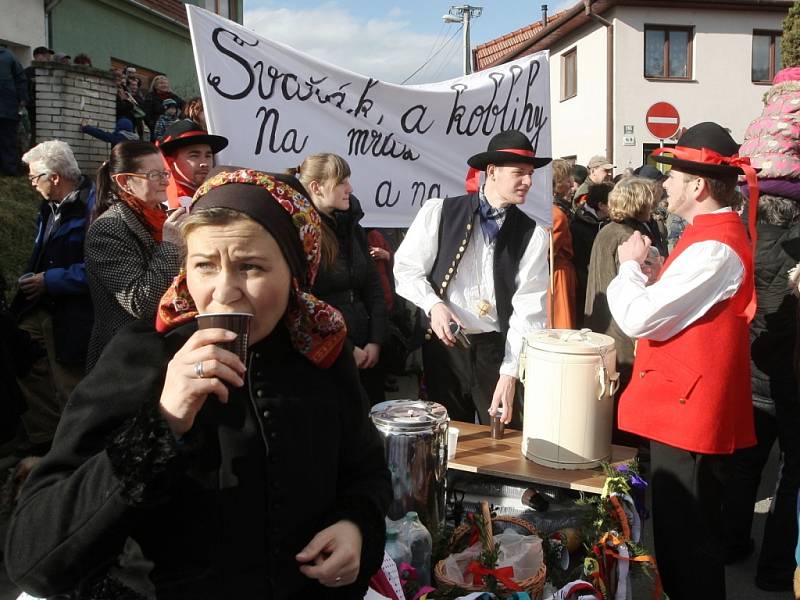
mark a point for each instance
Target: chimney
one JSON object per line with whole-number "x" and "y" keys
{"x": 544, "y": 15}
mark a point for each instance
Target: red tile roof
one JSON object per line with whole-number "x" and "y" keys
{"x": 172, "y": 9}
{"x": 486, "y": 54}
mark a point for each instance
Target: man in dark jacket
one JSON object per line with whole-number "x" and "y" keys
{"x": 13, "y": 95}
{"x": 775, "y": 402}
{"x": 588, "y": 220}
{"x": 53, "y": 303}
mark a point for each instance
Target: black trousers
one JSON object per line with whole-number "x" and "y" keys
{"x": 8, "y": 146}
{"x": 687, "y": 521}
{"x": 463, "y": 380}
{"x": 776, "y": 562}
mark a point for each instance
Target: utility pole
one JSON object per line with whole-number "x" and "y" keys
{"x": 463, "y": 14}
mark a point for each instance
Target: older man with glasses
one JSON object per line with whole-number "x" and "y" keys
{"x": 52, "y": 303}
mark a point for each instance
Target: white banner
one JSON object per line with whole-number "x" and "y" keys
{"x": 404, "y": 144}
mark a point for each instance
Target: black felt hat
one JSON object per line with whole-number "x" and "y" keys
{"x": 703, "y": 149}
{"x": 186, "y": 132}
{"x": 508, "y": 147}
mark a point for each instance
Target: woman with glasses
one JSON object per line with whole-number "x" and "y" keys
{"x": 132, "y": 246}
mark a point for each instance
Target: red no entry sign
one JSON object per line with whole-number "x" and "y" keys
{"x": 663, "y": 120}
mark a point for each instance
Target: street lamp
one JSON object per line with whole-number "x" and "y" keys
{"x": 462, "y": 14}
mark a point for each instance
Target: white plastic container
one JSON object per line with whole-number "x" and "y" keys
{"x": 570, "y": 378}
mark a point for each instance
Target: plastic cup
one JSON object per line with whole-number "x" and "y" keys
{"x": 239, "y": 323}
{"x": 452, "y": 442}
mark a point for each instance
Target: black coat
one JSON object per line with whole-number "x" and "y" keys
{"x": 221, "y": 513}
{"x": 352, "y": 284}
{"x": 774, "y": 326}
{"x": 154, "y": 108}
{"x": 61, "y": 258}
{"x": 584, "y": 227}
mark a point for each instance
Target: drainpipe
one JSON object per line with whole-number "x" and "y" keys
{"x": 587, "y": 7}
{"x": 49, "y": 5}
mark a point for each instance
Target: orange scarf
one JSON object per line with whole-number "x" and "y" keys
{"x": 152, "y": 218}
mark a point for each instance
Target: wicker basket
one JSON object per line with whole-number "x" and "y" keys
{"x": 533, "y": 585}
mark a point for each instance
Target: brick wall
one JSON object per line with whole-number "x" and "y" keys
{"x": 65, "y": 94}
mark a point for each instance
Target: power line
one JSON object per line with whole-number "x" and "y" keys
{"x": 446, "y": 60}
{"x": 450, "y": 39}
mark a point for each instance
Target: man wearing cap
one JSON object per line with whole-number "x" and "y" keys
{"x": 600, "y": 171}
{"x": 189, "y": 155}
{"x": 479, "y": 263}
{"x": 690, "y": 392}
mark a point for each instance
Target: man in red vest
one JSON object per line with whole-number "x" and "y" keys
{"x": 690, "y": 392}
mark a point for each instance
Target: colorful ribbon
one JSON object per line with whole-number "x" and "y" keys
{"x": 503, "y": 575}
{"x": 473, "y": 181}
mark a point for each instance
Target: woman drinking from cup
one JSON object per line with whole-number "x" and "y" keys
{"x": 255, "y": 479}
{"x": 133, "y": 250}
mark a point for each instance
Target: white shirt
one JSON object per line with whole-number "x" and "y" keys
{"x": 702, "y": 275}
{"x": 474, "y": 281}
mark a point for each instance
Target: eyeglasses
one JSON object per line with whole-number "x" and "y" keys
{"x": 154, "y": 175}
{"x": 35, "y": 178}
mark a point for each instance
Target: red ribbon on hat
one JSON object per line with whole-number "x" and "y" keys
{"x": 711, "y": 157}
{"x": 473, "y": 181}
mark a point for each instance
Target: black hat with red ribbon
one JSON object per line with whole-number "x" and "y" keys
{"x": 708, "y": 150}
{"x": 186, "y": 132}
{"x": 506, "y": 147}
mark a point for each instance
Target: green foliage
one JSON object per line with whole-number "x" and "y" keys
{"x": 19, "y": 205}
{"x": 790, "y": 43}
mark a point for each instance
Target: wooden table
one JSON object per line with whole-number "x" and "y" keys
{"x": 477, "y": 452}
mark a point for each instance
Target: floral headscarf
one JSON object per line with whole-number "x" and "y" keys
{"x": 317, "y": 330}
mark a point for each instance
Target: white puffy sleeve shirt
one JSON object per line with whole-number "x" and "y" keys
{"x": 702, "y": 275}
{"x": 474, "y": 281}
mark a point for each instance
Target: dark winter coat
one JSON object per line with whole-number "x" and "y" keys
{"x": 154, "y": 108}
{"x": 13, "y": 85}
{"x": 222, "y": 512}
{"x": 584, "y": 227}
{"x": 352, "y": 284}
{"x": 128, "y": 273}
{"x": 61, "y": 258}
{"x": 773, "y": 329}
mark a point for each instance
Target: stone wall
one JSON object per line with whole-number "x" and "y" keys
{"x": 65, "y": 94}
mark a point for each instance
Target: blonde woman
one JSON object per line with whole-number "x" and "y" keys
{"x": 629, "y": 204}
{"x": 348, "y": 279}
{"x": 160, "y": 90}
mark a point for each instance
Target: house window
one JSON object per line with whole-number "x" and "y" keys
{"x": 766, "y": 56}
{"x": 667, "y": 52}
{"x": 569, "y": 74}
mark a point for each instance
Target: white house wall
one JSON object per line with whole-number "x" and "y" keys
{"x": 720, "y": 91}
{"x": 579, "y": 124}
{"x": 22, "y": 27}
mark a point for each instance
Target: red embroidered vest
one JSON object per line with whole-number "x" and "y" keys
{"x": 692, "y": 391}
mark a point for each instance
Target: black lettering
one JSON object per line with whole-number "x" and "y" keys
{"x": 365, "y": 104}
{"x": 417, "y": 124}
{"x": 288, "y": 142}
{"x": 362, "y": 142}
{"x": 215, "y": 80}
{"x": 383, "y": 195}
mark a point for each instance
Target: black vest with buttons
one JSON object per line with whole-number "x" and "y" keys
{"x": 456, "y": 229}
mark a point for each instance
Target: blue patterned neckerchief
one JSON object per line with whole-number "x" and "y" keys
{"x": 491, "y": 218}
